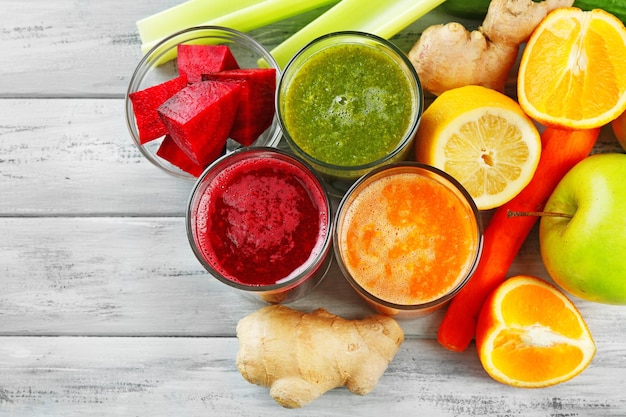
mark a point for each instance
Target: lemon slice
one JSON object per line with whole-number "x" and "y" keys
{"x": 483, "y": 139}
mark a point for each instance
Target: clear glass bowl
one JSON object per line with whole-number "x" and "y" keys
{"x": 262, "y": 216}
{"x": 388, "y": 63}
{"x": 411, "y": 221}
{"x": 159, "y": 65}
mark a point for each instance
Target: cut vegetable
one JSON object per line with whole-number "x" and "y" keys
{"x": 145, "y": 105}
{"x": 195, "y": 60}
{"x": 174, "y": 155}
{"x": 199, "y": 118}
{"x": 256, "y": 102}
{"x": 384, "y": 19}
{"x": 246, "y": 15}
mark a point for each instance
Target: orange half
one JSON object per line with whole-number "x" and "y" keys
{"x": 572, "y": 72}
{"x": 530, "y": 335}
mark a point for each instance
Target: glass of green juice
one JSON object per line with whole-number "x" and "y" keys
{"x": 347, "y": 103}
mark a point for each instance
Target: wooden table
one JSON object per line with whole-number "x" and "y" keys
{"x": 104, "y": 309}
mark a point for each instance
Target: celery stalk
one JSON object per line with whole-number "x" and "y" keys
{"x": 382, "y": 18}
{"x": 184, "y": 15}
{"x": 256, "y": 15}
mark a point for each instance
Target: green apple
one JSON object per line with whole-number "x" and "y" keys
{"x": 585, "y": 253}
{"x": 619, "y": 128}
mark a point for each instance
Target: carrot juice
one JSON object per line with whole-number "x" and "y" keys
{"x": 407, "y": 238}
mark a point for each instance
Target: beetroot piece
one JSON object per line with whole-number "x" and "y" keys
{"x": 256, "y": 105}
{"x": 145, "y": 105}
{"x": 199, "y": 118}
{"x": 173, "y": 154}
{"x": 195, "y": 60}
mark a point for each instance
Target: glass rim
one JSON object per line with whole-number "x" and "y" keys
{"x": 312, "y": 264}
{"x": 370, "y": 177}
{"x": 413, "y": 78}
{"x": 163, "y": 47}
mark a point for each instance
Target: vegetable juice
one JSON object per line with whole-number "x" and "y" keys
{"x": 260, "y": 221}
{"x": 349, "y": 102}
{"x": 407, "y": 238}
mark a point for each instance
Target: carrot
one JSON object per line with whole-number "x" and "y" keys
{"x": 504, "y": 235}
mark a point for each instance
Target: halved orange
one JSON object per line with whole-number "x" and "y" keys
{"x": 529, "y": 334}
{"x": 572, "y": 72}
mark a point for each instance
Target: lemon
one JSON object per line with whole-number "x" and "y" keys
{"x": 483, "y": 139}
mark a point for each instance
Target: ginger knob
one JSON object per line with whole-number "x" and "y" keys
{"x": 300, "y": 356}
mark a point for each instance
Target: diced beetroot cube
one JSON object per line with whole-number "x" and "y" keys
{"x": 173, "y": 154}
{"x": 195, "y": 60}
{"x": 256, "y": 105}
{"x": 199, "y": 118}
{"x": 145, "y": 105}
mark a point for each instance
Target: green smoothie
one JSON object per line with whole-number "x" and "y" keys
{"x": 349, "y": 104}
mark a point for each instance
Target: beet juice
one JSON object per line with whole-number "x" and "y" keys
{"x": 259, "y": 220}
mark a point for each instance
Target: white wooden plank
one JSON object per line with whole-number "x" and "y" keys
{"x": 127, "y": 276}
{"x": 75, "y": 157}
{"x": 89, "y": 49}
{"x": 68, "y": 48}
{"x": 196, "y": 376}
{"x": 138, "y": 276}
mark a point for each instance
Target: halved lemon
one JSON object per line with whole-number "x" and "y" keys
{"x": 483, "y": 139}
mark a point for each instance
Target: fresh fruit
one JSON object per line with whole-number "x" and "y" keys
{"x": 504, "y": 235}
{"x": 619, "y": 129}
{"x": 145, "y": 105}
{"x": 195, "y": 60}
{"x": 584, "y": 253}
{"x": 483, "y": 139}
{"x": 531, "y": 335}
{"x": 572, "y": 72}
{"x": 256, "y": 102}
{"x": 199, "y": 117}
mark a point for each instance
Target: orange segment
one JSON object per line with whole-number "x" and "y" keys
{"x": 573, "y": 73}
{"x": 531, "y": 335}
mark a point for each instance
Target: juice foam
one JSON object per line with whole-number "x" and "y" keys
{"x": 260, "y": 221}
{"x": 407, "y": 239}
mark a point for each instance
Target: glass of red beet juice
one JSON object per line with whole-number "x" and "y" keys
{"x": 259, "y": 220}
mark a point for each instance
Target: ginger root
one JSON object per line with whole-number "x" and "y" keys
{"x": 300, "y": 356}
{"x": 448, "y": 56}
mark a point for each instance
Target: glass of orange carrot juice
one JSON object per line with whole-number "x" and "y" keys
{"x": 407, "y": 238}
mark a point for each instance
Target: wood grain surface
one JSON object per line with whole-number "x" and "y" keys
{"x": 104, "y": 310}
